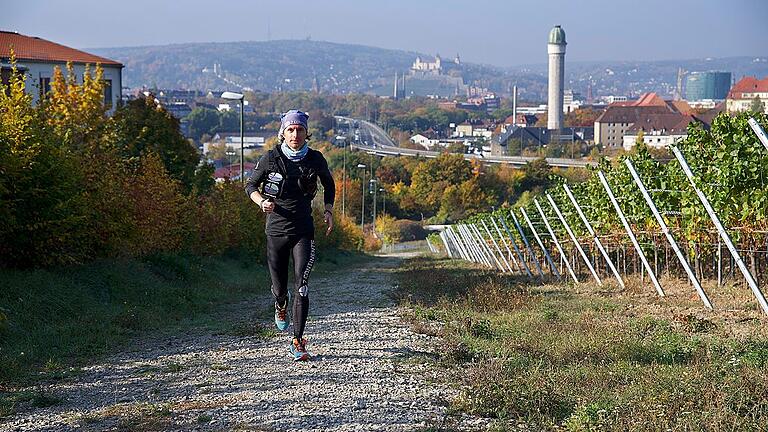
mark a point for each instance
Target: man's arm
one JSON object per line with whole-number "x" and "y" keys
{"x": 253, "y": 183}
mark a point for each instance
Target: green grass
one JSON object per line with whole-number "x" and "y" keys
{"x": 555, "y": 358}
{"x": 52, "y": 320}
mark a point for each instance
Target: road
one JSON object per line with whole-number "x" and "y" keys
{"x": 375, "y": 140}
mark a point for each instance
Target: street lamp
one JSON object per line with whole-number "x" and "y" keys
{"x": 362, "y": 208}
{"x": 372, "y": 188}
{"x": 230, "y": 152}
{"x": 238, "y": 97}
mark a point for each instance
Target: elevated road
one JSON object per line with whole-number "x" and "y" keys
{"x": 370, "y": 138}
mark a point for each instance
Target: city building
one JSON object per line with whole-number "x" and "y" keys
{"x": 707, "y": 85}
{"x": 427, "y": 67}
{"x": 522, "y": 120}
{"x": 613, "y": 124}
{"x": 526, "y": 137}
{"x": 658, "y": 130}
{"x": 743, "y": 94}
{"x": 475, "y": 128}
{"x": 571, "y": 101}
{"x": 36, "y": 58}
{"x": 556, "y": 52}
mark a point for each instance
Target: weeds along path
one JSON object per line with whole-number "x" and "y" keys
{"x": 368, "y": 372}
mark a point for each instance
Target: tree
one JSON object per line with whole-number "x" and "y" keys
{"x": 537, "y": 175}
{"x": 141, "y": 126}
{"x": 582, "y": 117}
{"x": 757, "y": 105}
{"x": 202, "y": 121}
{"x": 42, "y": 203}
{"x": 431, "y": 178}
{"x": 76, "y": 112}
{"x": 640, "y": 138}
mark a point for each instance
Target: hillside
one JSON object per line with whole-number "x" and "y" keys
{"x": 285, "y": 65}
{"x": 293, "y": 65}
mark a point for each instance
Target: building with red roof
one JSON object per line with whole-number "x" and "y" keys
{"x": 617, "y": 120}
{"x": 743, "y": 93}
{"x": 37, "y": 57}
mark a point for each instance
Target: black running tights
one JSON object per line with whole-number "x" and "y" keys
{"x": 279, "y": 249}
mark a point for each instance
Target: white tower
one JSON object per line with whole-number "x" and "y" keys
{"x": 556, "y": 51}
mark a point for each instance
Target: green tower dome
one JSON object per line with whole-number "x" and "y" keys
{"x": 557, "y": 35}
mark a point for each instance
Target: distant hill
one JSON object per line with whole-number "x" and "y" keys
{"x": 267, "y": 66}
{"x": 295, "y": 65}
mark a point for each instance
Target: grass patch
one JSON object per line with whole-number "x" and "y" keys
{"x": 554, "y": 358}
{"x": 11, "y": 402}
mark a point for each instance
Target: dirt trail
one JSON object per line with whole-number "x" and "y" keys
{"x": 368, "y": 373}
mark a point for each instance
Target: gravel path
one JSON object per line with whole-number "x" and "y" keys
{"x": 368, "y": 373}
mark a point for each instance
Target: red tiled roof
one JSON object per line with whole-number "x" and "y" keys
{"x": 748, "y": 85}
{"x": 233, "y": 170}
{"x": 680, "y": 106}
{"x": 649, "y": 99}
{"x": 654, "y": 100}
{"x": 669, "y": 122}
{"x": 629, "y": 114}
{"x": 30, "y": 48}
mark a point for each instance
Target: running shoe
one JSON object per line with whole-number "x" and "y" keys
{"x": 281, "y": 316}
{"x": 299, "y": 349}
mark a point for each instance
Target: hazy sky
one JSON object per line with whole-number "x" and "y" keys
{"x": 502, "y": 33}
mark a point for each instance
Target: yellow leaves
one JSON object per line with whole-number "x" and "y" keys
{"x": 157, "y": 206}
{"x": 399, "y": 189}
{"x": 16, "y": 112}
{"x": 76, "y": 111}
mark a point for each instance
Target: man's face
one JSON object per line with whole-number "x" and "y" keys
{"x": 295, "y": 135}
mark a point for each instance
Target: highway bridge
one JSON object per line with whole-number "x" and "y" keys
{"x": 370, "y": 138}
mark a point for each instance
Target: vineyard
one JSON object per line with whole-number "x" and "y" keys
{"x": 701, "y": 215}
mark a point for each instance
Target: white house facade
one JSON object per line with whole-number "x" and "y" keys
{"x": 36, "y": 58}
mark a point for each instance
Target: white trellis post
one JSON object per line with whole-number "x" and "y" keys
{"x": 484, "y": 244}
{"x": 563, "y": 256}
{"x": 451, "y": 235}
{"x": 459, "y": 235}
{"x": 459, "y": 244}
{"x": 432, "y": 248}
{"x": 478, "y": 248}
{"x": 514, "y": 245}
{"x": 503, "y": 240}
{"x": 665, "y": 229}
{"x": 594, "y": 235}
{"x": 552, "y": 265}
{"x": 574, "y": 239}
{"x": 723, "y": 234}
{"x": 525, "y": 242}
{"x": 498, "y": 249}
{"x": 759, "y": 132}
{"x": 443, "y": 236}
{"x": 630, "y": 233}
{"x": 473, "y": 247}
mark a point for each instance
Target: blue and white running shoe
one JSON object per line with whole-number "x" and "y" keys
{"x": 299, "y": 349}
{"x": 281, "y": 316}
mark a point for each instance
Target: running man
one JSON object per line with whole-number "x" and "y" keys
{"x": 283, "y": 185}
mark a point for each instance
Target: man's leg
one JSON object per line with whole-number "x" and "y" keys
{"x": 303, "y": 259}
{"x": 278, "y": 252}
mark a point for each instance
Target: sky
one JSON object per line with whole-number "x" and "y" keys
{"x": 495, "y": 32}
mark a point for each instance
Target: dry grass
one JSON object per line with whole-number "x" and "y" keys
{"x": 146, "y": 417}
{"x": 583, "y": 357}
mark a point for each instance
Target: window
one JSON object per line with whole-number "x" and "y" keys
{"x": 45, "y": 87}
{"x": 5, "y": 79}
{"x": 108, "y": 93}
